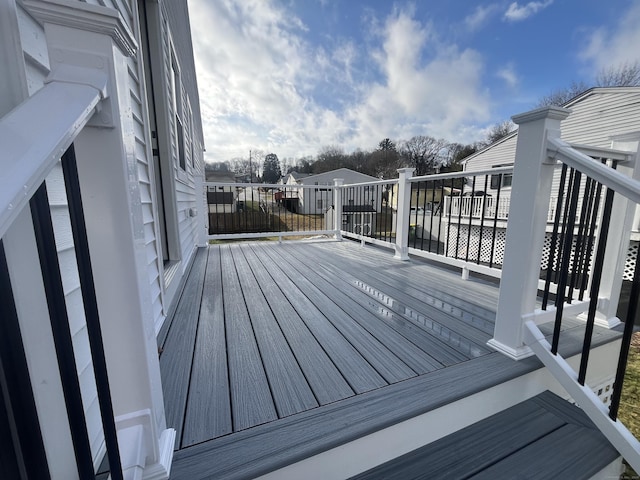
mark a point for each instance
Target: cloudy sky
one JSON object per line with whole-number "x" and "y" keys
{"x": 292, "y": 76}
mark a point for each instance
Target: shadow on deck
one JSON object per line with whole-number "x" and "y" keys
{"x": 277, "y": 352}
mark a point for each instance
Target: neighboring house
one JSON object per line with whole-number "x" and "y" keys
{"x": 601, "y": 117}
{"x": 221, "y": 199}
{"x": 293, "y": 178}
{"x": 117, "y": 79}
{"x": 317, "y": 200}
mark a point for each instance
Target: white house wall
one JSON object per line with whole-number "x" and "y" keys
{"x": 184, "y": 179}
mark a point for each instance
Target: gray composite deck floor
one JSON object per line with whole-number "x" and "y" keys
{"x": 278, "y": 351}
{"x": 266, "y": 330}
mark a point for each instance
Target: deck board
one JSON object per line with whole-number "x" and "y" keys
{"x": 208, "y": 409}
{"x": 372, "y": 316}
{"x": 251, "y": 400}
{"x": 290, "y": 390}
{"x": 360, "y": 375}
{"x": 368, "y": 346}
{"x": 262, "y": 298}
{"x": 417, "y": 279}
{"x": 324, "y": 378}
{"x": 427, "y": 329}
{"x": 177, "y": 356}
{"x": 542, "y": 437}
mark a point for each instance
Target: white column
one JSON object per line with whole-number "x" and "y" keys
{"x": 337, "y": 206}
{"x": 402, "y": 219}
{"x": 532, "y": 176}
{"x": 622, "y": 216}
{"x": 202, "y": 212}
{"x": 88, "y": 36}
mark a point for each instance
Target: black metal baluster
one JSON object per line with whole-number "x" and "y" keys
{"x": 495, "y": 223}
{"x": 582, "y": 253}
{"x": 448, "y": 238}
{"x": 566, "y": 257}
{"x": 96, "y": 344}
{"x": 579, "y": 241}
{"x": 591, "y": 237}
{"x": 482, "y": 214}
{"x": 54, "y": 291}
{"x": 626, "y": 342}
{"x": 595, "y": 284}
{"x": 473, "y": 189}
{"x": 30, "y": 460}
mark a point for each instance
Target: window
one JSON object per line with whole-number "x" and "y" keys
{"x": 501, "y": 180}
{"x": 176, "y": 97}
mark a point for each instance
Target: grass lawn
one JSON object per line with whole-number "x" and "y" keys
{"x": 629, "y": 413}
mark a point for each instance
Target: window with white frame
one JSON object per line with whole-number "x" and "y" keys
{"x": 501, "y": 180}
{"x": 178, "y": 109}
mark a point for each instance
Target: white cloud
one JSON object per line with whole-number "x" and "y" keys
{"x": 516, "y": 12}
{"x": 615, "y": 46}
{"x": 264, "y": 86}
{"x": 480, "y": 16}
{"x": 508, "y": 74}
{"x": 429, "y": 87}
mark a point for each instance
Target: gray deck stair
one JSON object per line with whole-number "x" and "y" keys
{"x": 541, "y": 438}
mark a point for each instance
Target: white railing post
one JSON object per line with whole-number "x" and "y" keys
{"x": 337, "y": 207}
{"x": 622, "y": 214}
{"x": 532, "y": 176}
{"x": 404, "y": 200}
{"x": 82, "y": 36}
{"x": 202, "y": 210}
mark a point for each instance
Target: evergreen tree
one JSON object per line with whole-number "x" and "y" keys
{"x": 271, "y": 172}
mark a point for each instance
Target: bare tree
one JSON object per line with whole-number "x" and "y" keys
{"x": 422, "y": 152}
{"x": 498, "y": 131}
{"x": 623, "y": 75}
{"x": 563, "y": 95}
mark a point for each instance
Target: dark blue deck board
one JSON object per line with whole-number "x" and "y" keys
{"x": 424, "y": 327}
{"x": 328, "y": 360}
{"x": 177, "y": 356}
{"x": 327, "y": 299}
{"x": 290, "y": 390}
{"x": 361, "y": 375}
{"x": 543, "y": 437}
{"x": 382, "y": 326}
{"x": 251, "y": 399}
{"x": 208, "y": 409}
{"x": 323, "y": 376}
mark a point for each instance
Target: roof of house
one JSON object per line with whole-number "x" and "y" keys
{"x": 341, "y": 171}
{"x": 298, "y": 175}
{"x": 575, "y": 100}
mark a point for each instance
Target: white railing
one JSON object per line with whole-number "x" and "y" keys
{"x": 254, "y": 210}
{"x": 33, "y": 139}
{"x": 539, "y": 150}
{"x": 477, "y": 206}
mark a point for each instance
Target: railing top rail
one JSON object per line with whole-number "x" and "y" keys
{"x": 462, "y": 173}
{"x": 562, "y": 151}
{"x": 374, "y": 182}
{"x": 597, "y": 152}
{"x": 33, "y": 139}
{"x": 262, "y": 185}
